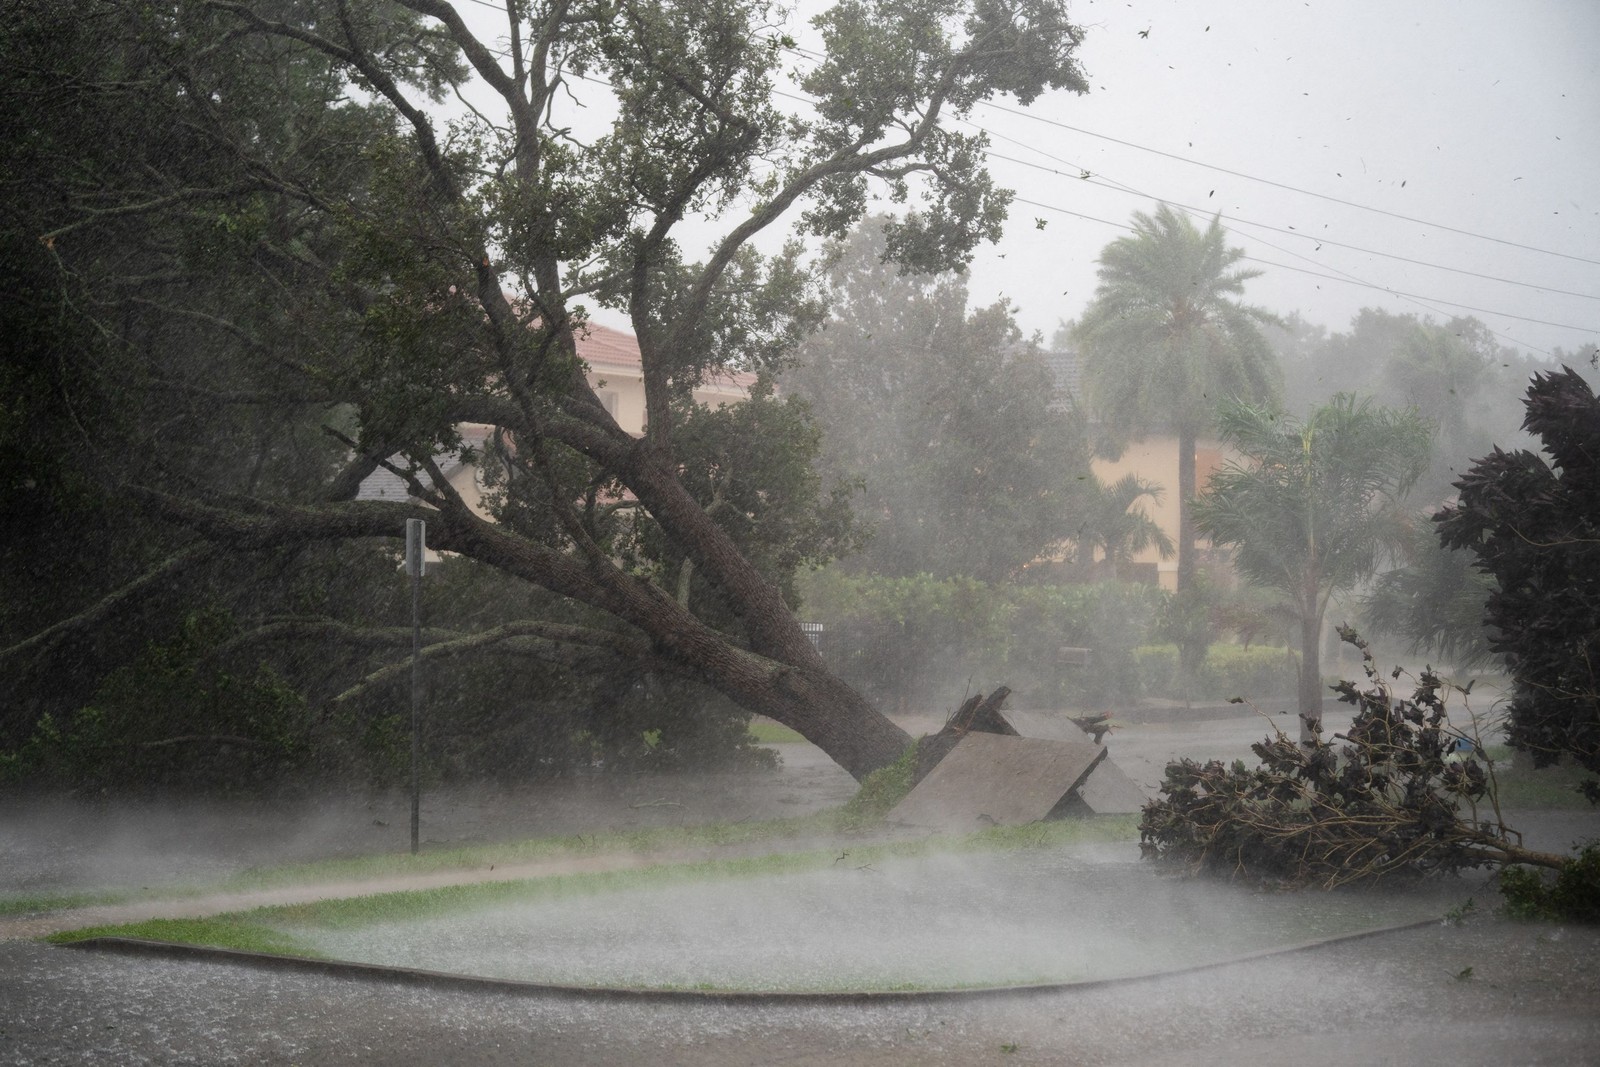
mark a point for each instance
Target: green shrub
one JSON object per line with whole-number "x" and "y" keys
{"x": 1228, "y": 671}
{"x": 176, "y": 717}
{"x": 1572, "y": 895}
{"x": 923, "y": 641}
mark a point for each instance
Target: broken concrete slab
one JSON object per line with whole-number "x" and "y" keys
{"x": 998, "y": 780}
{"x": 1109, "y": 791}
{"x": 1046, "y": 725}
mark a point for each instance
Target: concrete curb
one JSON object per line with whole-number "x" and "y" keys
{"x": 445, "y": 980}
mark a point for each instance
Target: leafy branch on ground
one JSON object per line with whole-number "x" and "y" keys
{"x": 1403, "y": 797}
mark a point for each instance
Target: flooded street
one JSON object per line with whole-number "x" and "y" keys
{"x": 1488, "y": 992}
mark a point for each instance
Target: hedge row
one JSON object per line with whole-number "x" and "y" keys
{"x": 923, "y": 643}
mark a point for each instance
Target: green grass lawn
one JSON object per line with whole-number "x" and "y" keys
{"x": 766, "y": 732}
{"x": 840, "y": 823}
{"x": 1546, "y": 788}
{"x": 389, "y": 864}
{"x": 271, "y": 929}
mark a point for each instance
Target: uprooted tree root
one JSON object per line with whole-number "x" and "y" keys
{"x": 1397, "y": 797}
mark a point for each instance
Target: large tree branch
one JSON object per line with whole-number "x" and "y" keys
{"x": 849, "y": 161}
{"x": 153, "y": 580}
{"x": 675, "y": 634}
{"x": 632, "y": 649}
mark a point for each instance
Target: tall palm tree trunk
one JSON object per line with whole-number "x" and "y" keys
{"x": 1186, "y": 494}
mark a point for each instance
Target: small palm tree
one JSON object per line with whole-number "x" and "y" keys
{"x": 1113, "y": 526}
{"x": 1166, "y": 339}
{"x": 1314, "y": 508}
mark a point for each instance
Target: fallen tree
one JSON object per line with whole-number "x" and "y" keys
{"x": 258, "y": 206}
{"x": 1399, "y": 796}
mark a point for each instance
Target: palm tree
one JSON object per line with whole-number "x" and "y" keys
{"x": 1314, "y": 508}
{"x": 1165, "y": 340}
{"x": 1116, "y": 528}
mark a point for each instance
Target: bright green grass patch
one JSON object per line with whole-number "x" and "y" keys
{"x": 220, "y": 931}
{"x": 763, "y": 732}
{"x": 270, "y": 925}
{"x": 881, "y": 790}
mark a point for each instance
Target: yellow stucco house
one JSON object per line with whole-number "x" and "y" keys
{"x": 1153, "y": 459}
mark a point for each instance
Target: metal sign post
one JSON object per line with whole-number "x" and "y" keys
{"x": 416, "y": 567}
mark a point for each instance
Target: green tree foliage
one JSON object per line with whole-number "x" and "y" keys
{"x": 1533, "y": 526}
{"x": 1456, "y": 373}
{"x": 1166, "y": 339}
{"x": 1312, "y": 507}
{"x": 1572, "y": 895}
{"x": 296, "y": 268}
{"x": 148, "y": 341}
{"x": 177, "y": 716}
{"x": 949, "y": 420}
{"x": 929, "y": 641}
{"x": 1436, "y": 600}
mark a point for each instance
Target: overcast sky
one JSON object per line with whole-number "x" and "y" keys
{"x": 1469, "y": 116}
{"x": 1474, "y": 125}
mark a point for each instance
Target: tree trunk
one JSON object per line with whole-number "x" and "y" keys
{"x": 1310, "y": 674}
{"x": 1186, "y": 494}
{"x": 783, "y": 678}
{"x": 832, "y": 716}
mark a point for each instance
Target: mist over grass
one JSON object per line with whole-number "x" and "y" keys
{"x": 1039, "y": 904}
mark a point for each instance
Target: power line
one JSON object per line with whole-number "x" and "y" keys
{"x": 1284, "y": 186}
{"x": 1123, "y": 188}
{"x": 1348, "y": 280}
{"x": 814, "y": 57}
{"x": 1119, "y": 187}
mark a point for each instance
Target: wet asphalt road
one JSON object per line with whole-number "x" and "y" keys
{"x": 1489, "y": 992}
{"x": 1532, "y": 997}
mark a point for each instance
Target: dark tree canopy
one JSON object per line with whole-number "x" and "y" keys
{"x": 1533, "y": 525}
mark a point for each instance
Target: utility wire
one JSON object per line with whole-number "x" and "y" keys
{"x": 1118, "y": 187}
{"x": 1344, "y": 276}
{"x": 1282, "y": 185}
{"x": 1348, "y": 280}
{"x": 1035, "y": 117}
{"x": 1085, "y": 175}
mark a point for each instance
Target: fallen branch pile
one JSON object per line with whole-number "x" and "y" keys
{"x": 1396, "y": 797}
